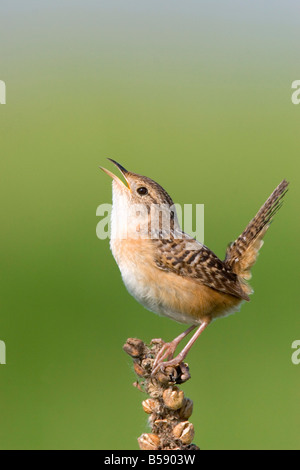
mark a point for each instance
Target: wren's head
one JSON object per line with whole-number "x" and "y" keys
{"x": 140, "y": 207}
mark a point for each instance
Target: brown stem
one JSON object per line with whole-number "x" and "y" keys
{"x": 169, "y": 410}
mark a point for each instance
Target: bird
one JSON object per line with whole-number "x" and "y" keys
{"x": 171, "y": 273}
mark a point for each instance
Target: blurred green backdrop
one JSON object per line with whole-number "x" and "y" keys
{"x": 196, "y": 95}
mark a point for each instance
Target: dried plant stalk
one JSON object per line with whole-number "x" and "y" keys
{"x": 168, "y": 409}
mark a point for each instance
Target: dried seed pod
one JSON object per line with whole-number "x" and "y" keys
{"x": 162, "y": 377}
{"x": 137, "y": 385}
{"x": 184, "y": 373}
{"x": 153, "y": 390}
{"x": 134, "y": 347}
{"x": 173, "y": 398}
{"x": 150, "y": 405}
{"x": 139, "y": 370}
{"x": 149, "y": 441}
{"x": 147, "y": 364}
{"x": 186, "y": 410}
{"x": 192, "y": 447}
{"x": 184, "y": 431}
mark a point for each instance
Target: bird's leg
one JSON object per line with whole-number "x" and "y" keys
{"x": 159, "y": 364}
{"x": 168, "y": 349}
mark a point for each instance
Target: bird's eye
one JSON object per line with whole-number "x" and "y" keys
{"x": 142, "y": 191}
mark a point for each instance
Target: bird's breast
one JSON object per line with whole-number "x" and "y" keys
{"x": 182, "y": 299}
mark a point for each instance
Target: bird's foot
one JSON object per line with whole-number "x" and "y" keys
{"x": 162, "y": 364}
{"x": 166, "y": 352}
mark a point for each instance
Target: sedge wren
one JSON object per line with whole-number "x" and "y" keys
{"x": 171, "y": 273}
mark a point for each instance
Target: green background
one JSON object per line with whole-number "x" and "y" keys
{"x": 196, "y": 95}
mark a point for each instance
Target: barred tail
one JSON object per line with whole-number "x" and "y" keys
{"x": 241, "y": 255}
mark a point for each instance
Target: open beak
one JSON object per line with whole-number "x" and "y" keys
{"x": 114, "y": 177}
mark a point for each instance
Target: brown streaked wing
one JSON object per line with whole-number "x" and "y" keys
{"x": 188, "y": 258}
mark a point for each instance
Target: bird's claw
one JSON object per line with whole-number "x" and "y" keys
{"x": 166, "y": 352}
